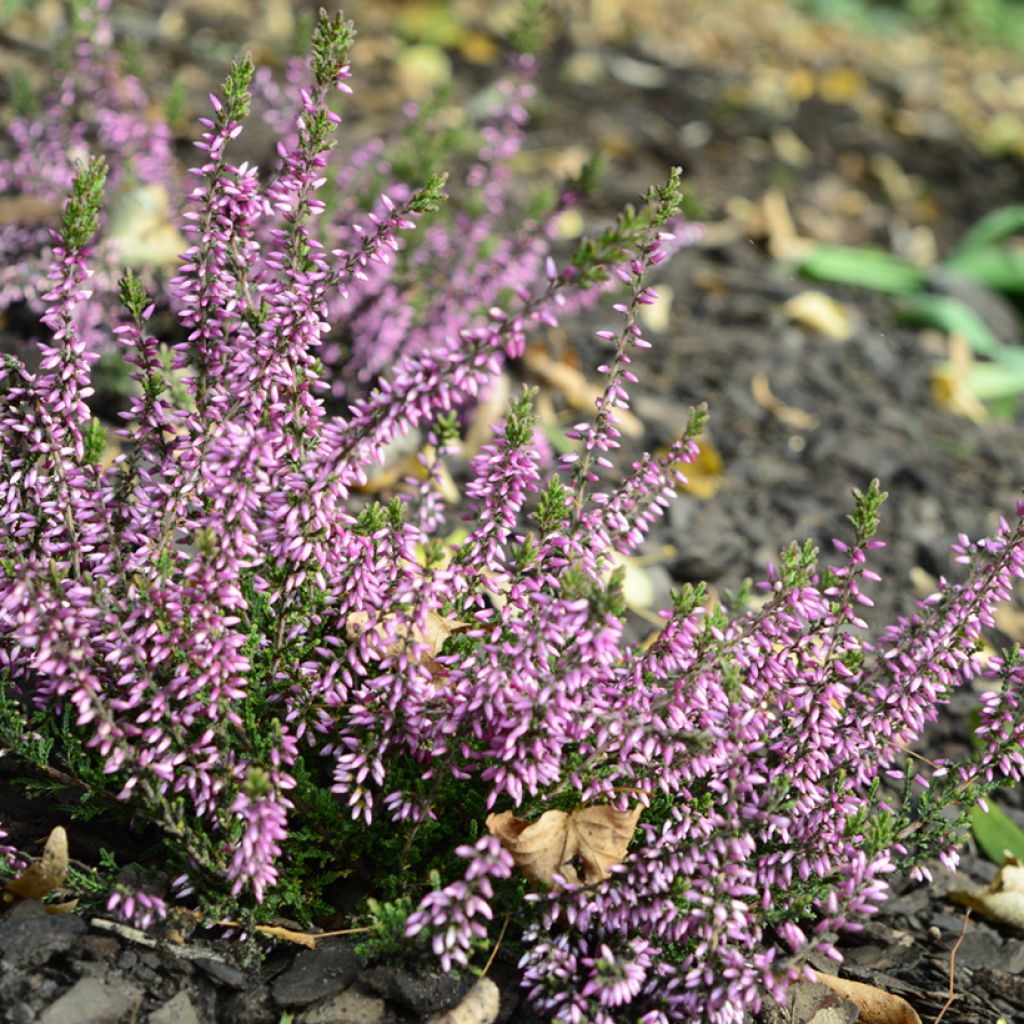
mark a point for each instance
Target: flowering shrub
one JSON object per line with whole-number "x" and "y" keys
{"x": 294, "y": 684}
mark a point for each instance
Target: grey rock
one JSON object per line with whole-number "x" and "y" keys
{"x": 353, "y": 1006}
{"x": 90, "y": 1001}
{"x": 222, "y": 972}
{"x": 317, "y": 973}
{"x": 31, "y": 938}
{"x": 177, "y": 1010}
{"x": 424, "y": 994}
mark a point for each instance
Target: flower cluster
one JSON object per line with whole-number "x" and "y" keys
{"x": 293, "y": 681}
{"x": 450, "y": 912}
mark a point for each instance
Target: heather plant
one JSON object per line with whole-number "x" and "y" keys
{"x": 440, "y": 279}
{"x": 295, "y": 686}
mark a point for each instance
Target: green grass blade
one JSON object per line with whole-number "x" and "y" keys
{"x": 865, "y": 268}
{"x": 996, "y": 834}
{"x": 993, "y": 227}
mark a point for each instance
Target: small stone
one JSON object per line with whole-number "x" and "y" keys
{"x": 177, "y": 1010}
{"x": 31, "y": 939}
{"x": 422, "y": 993}
{"x": 90, "y": 1001}
{"x": 317, "y": 973}
{"x": 480, "y": 1006}
{"x": 353, "y": 1006}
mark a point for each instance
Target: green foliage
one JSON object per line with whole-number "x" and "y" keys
{"x": 385, "y": 940}
{"x": 996, "y": 833}
{"x": 81, "y": 216}
{"x": 986, "y": 257}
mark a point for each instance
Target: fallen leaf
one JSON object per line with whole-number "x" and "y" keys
{"x": 821, "y": 313}
{"x": 876, "y": 1006}
{"x": 43, "y": 875}
{"x": 298, "y": 938}
{"x": 951, "y": 386}
{"x": 1003, "y": 900}
{"x": 811, "y": 1003}
{"x": 436, "y": 629}
{"x": 598, "y": 835}
{"x": 56, "y": 909}
{"x": 704, "y": 474}
{"x": 798, "y": 419}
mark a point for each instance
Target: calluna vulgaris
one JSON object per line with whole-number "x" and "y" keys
{"x": 296, "y": 684}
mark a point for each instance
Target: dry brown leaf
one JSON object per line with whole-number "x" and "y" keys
{"x": 56, "y": 909}
{"x": 43, "y": 875}
{"x": 810, "y": 1003}
{"x": 599, "y": 836}
{"x": 1003, "y": 900}
{"x": 436, "y": 630}
{"x": 299, "y": 938}
{"x": 876, "y": 1006}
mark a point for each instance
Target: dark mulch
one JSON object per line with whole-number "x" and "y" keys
{"x": 701, "y": 95}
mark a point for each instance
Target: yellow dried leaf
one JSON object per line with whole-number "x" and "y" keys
{"x": 876, "y": 1006}
{"x": 298, "y": 938}
{"x": 821, "y": 313}
{"x": 44, "y": 875}
{"x": 599, "y": 836}
{"x": 950, "y": 382}
{"x": 704, "y": 474}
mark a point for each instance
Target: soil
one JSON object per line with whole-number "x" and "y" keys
{"x": 857, "y": 140}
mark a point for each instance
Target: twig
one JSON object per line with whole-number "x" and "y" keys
{"x": 497, "y": 946}
{"x": 952, "y": 965}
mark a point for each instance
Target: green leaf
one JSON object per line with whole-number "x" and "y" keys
{"x": 991, "y": 381}
{"x": 993, "y": 227}
{"x": 865, "y": 268}
{"x": 996, "y": 267}
{"x": 952, "y": 316}
{"x": 996, "y": 834}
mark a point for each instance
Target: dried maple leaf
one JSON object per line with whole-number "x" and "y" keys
{"x": 44, "y": 875}
{"x": 599, "y": 836}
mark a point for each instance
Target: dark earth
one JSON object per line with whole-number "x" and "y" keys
{"x": 771, "y": 116}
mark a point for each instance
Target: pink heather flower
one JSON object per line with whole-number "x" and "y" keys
{"x": 137, "y": 908}
{"x": 265, "y": 825}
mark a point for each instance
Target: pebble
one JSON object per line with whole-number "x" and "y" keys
{"x": 317, "y": 973}
{"x": 177, "y": 1010}
{"x": 353, "y": 1006}
{"x": 90, "y": 1001}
